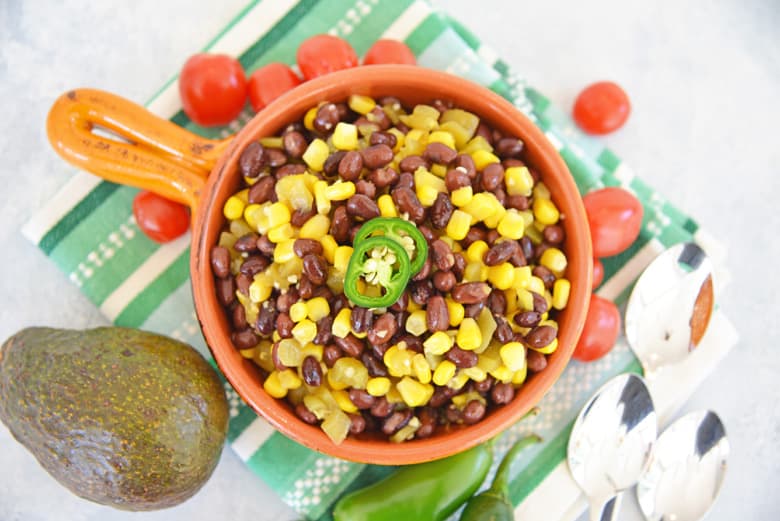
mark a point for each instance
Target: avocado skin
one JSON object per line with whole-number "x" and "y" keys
{"x": 119, "y": 416}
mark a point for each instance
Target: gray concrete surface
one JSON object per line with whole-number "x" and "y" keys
{"x": 703, "y": 78}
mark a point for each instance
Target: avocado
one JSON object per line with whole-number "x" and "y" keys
{"x": 119, "y": 416}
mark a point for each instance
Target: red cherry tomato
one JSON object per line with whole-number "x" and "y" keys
{"x": 389, "y": 51}
{"x": 212, "y": 88}
{"x": 601, "y": 108}
{"x": 269, "y": 82}
{"x": 324, "y": 53}
{"x": 602, "y": 325}
{"x": 598, "y": 273}
{"x": 161, "y": 219}
{"x": 615, "y": 218}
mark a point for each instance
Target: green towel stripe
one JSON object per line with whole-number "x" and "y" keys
{"x": 246, "y": 415}
{"x": 72, "y": 219}
{"x": 608, "y": 160}
{"x": 538, "y": 100}
{"x": 425, "y": 33}
{"x": 374, "y": 24}
{"x": 551, "y": 456}
{"x": 613, "y": 264}
{"x": 275, "y": 458}
{"x": 580, "y": 170}
{"x": 147, "y": 300}
{"x": 467, "y": 36}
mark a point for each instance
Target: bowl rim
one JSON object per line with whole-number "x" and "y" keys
{"x": 372, "y": 80}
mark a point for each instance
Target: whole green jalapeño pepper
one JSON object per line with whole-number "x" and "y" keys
{"x": 403, "y": 232}
{"x": 380, "y": 261}
{"x": 494, "y": 504}
{"x": 429, "y": 491}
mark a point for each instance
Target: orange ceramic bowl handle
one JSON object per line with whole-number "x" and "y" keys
{"x": 148, "y": 152}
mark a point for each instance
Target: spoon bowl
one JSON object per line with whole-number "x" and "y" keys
{"x": 611, "y": 442}
{"x": 686, "y": 470}
{"x": 670, "y": 307}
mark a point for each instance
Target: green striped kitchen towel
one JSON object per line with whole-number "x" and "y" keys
{"x": 89, "y": 232}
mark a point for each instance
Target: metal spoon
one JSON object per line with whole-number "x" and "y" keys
{"x": 611, "y": 442}
{"x": 670, "y": 307}
{"x": 686, "y": 469}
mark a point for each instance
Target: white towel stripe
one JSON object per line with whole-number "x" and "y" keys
{"x": 152, "y": 267}
{"x": 252, "y": 438}
{"x": 630, "y": 270}
{"x": 408, "y": 21}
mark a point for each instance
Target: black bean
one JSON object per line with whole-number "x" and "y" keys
{"x": 305, "y": 414}
{"x": 437, "y": 315}
{"x": 540, "y": 336}
{"x": 383, "y": 330}
{"x": 311, "y": 371}
{"x": 244, "y": 339}
{"x": 473, "y": 412}
{"x": 252, "y": 160}
{"x": 266, "y": 320}
{"x": 502, "y": 393}
{"x": 396, "y": 421}
{"x": 361, "y": 398}
{"x": 220, "y": 261}
{"x": 351, "y": 165}
{"x": 246, "y": 243}
{"x": 461, "y": 358}
{"x": 326, "y": 118}
{"x": 315, "y": 267}
{"x": 373, "y": 364}
{"x": 262, "y": 191}
{"x": 361, "y": 319}
{"x": 536, "y": 361}
{"x": 383, "y": 138}
{"x": 226, "y": 290}
{"x": 350, "y": 344}
{"x": 439, "y": 153}
{"x": 294, "y": 144}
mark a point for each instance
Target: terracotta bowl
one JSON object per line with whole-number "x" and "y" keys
{"x": 169, "y": 160}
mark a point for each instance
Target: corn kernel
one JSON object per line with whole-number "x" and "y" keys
{"x": 283, "y": 252}
{"x": 273, "y": 386}
{"x": 444, "y": 372}
{"x": 541, "y": 191}
{"x": 260, "y": 289}
{"x": 342, "y": 324}
{"x": 416, "y": 323}
{"x": 476, "y": 373}
{"x": 255, "y": 217}
{"x": 490, "y": 359}
{"x": 398, "y": 361}
{"x": 290, "y": 379}
{"x": 421, "y": 369}
{"x": 512, "y": 225}
{"x": 513, "y": 355}
{"x": 518, "y": 181}
{"x": 469, "y": 336}
{"x": 423, "y": 117}
{"x": 288, "y": 352}
{"x": 249, "y": 353}
{"x": 439, "y": 170}
{"x": 320, "y": 199}
{"x": 536, "y": 285}
{"x": 525, "y": 300}
{"x": 481, "y": 206}
{"x": 361, "y": 104}
{"x": 315, "y": 228}
{"x": 340, "y": 190}
{"x": 314, "y": 350}
{"x": 414, "y": 393}
{"x": 316, "y": 154}
{"x": 386, "y": 206}
{"x": 501, "y": 276}
{"x": 400, "y": 137}
{"x": 520, "y": 375}
{"x": 492, "y": 221}
{"x": 476, "y": 251}
{"x": 522, "y": 278}
{"x": 438, "y": 343}
{"x": 316, "y": 308}
{"x": 502, "y": 373}
{"x": 329, "y": 246}
{"x": 554, "y": 260}
{"x": 343, "y": 401}
{"x": 234, "y": 208}
{"x": 298, "y": 311}
{"x": 378, "y": 386}
{"x": 483, "y": 158}
{"x": 341, "y": 258}
{"x": 308, "y": 118}
{"x": 545, "y": 211}
{"x": 462, "y": 196}
{"x": 304, "y": 331}
{"x": 459, "y": 225}
{"x": 278, "y": 214}
{"x": 442, "y": 136}
{"x": 426, "y": 194}
{"x": 560, "y": 295}
{"x": 281, "y": 233}
{"x": 293, "y": 189}
{"x": 456, "y": 311}
{"x": 417, "y": 134}
{"x": 345, "y": 136}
